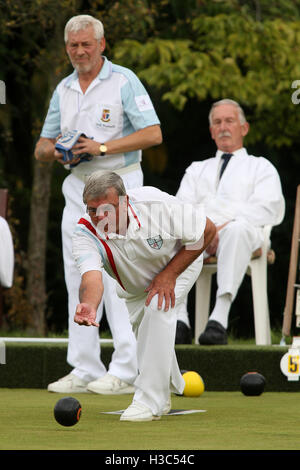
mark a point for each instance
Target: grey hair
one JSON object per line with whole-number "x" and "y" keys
{"x": 241, "y": 113}
{"x": 80, "y": 22}
{"x": 98, "y": 184}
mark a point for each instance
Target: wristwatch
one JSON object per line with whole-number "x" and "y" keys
{"x": 103, "y": 150}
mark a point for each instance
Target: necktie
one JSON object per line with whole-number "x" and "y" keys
{"x": 226, "y": 157}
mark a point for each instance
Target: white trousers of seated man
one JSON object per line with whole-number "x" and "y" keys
{"x": 155, "y": 330}
{"x": 84, "y": 349}
{"x": 237, "y": 241}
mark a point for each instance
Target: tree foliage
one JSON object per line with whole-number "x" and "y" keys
{"x": 252, "y": 58}
{"x": 188, "y": 53}
{"x": 32, "y": 60}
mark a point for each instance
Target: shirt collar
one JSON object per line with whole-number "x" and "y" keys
{"x": 106, "y": 69}
{"x": 237, "y": 153}
{"x": 105, "y": 72}
{"x": 134, "y": 220}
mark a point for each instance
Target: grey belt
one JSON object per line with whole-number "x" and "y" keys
{"x": 120, "y": 171}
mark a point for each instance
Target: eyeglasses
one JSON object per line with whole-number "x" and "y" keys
{"x": 92, "y": 211}
{"x": 102, "y": 209}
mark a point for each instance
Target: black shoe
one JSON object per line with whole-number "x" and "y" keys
{"x": 183, "y": 333}
{"x": 214, "y": 333}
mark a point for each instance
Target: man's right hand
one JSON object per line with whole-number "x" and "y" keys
{"x": 211, "y": 249}
{"x": 45, "y": 151}
{"x": 85, "y": 315}
{"x": 58, "y": 156}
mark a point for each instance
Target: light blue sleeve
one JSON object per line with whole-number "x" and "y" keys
{"x": 87, "y": 251}
{"x": 51, "y": 127}
{"x": 137, "y": 104}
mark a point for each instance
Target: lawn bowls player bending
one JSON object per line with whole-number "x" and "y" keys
{"x": 151, "y": 243}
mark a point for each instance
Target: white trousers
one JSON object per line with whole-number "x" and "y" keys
{"x": 84, "y": 346}
{"x": 155, "y": 330}
{"x": 237, "y": 241}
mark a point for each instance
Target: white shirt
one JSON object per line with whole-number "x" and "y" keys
{"x": 159, "y": 225}
{"x": 249, "y": 189}
{"x": 115, "y": 104}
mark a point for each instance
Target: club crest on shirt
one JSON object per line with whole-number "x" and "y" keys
{"x": 105, "y": 115}
{"x": 155, "y": 242}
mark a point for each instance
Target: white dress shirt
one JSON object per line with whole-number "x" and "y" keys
{"x": 249, "y": 189}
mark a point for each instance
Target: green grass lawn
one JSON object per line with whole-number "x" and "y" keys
{"x": 232, "y": 421}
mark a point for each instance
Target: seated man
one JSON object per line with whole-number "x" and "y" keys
{"x": 241, "y": 193}
{"x": 151, "y": 243}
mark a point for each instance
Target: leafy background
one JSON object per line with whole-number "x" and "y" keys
{"x": 188, "y": 54}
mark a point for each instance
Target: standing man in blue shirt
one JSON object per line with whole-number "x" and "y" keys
{"x": 109, "y": 108}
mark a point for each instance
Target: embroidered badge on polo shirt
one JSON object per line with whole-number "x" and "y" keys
{"x": 143, "y": 103}
{"x": 155, "y": 242}
{"x": 107, "y": 115}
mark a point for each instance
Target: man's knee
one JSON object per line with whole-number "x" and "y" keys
{"x": 237, "y": 229}
{"x": 153, "y": 305}
{"x": 237, "y": 235}
{"x": 237, "y": 226}
{"x": 152, "y": 308}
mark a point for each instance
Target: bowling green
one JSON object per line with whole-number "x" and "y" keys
{"x": 231, "y": 421}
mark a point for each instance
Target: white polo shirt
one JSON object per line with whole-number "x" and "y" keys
{"x": 159, "y": 225}
{"x": 115, "y": 104}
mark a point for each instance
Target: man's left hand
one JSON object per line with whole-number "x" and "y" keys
{"x": 85, "y": 145}
{"x": 163, "y": 286}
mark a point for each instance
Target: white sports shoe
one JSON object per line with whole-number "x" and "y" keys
{"x": 139, "y": 412}
{"x": 110, "y": 385}
{"x": 68, "y": 384}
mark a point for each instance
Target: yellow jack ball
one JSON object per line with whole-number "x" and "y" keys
{"x": 194, "y": 385}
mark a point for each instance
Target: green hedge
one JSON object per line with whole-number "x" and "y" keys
{"x": 222, "y": 367}
{"x": 34, "y": 365}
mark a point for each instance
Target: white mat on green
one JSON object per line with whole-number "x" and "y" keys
{"x": 171, "y": 412}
